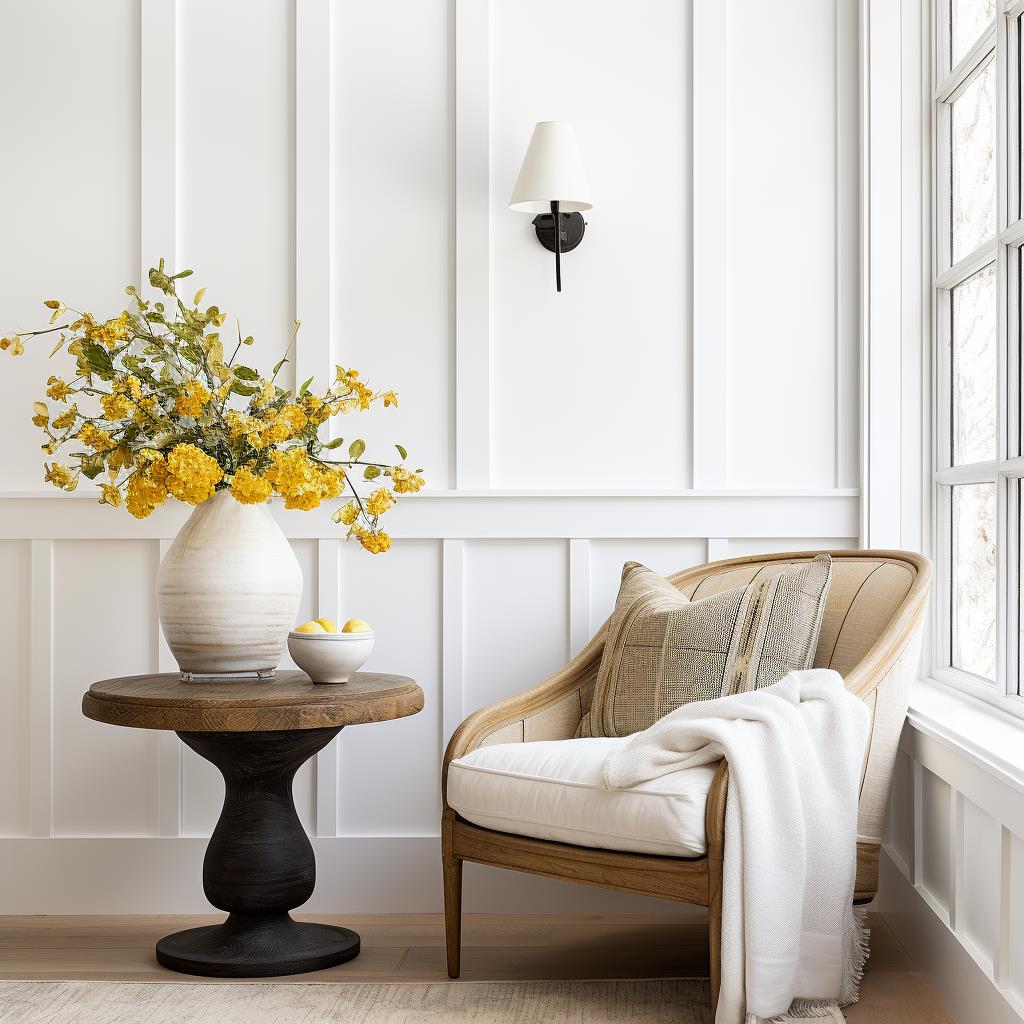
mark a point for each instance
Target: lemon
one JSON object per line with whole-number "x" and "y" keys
{"x": 328, "y": 624}
{"x": 356, "y": 626}
{"x": 310, "y": 627}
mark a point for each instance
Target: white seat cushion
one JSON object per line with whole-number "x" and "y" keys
{"x": 552, "y": 789}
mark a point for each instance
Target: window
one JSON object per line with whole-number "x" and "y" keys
{"x": 978, "y": 237}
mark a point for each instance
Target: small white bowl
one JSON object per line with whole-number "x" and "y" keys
{"x": 329, "y": 657}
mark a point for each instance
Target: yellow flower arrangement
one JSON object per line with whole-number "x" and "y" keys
{"x": 171, "y": 417}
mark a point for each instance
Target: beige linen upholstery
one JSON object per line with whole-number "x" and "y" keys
{"x": 870, "y": 634}
{"x": 662, "y": 650}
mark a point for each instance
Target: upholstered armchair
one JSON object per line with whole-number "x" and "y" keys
{"x": 870, "y": 634}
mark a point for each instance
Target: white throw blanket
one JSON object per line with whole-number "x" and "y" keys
{"x": 791, "y": 943}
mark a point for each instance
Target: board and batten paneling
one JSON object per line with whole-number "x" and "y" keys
{"x": 789, "y": 333}
{"x": 70, "y": 186}
{"x": 349, "y": 164}
{"x": 234, "y": 165}
{"x": 391, "y": 219}
{"x": 953, "y": 872}
{"x": 617, "y": 338}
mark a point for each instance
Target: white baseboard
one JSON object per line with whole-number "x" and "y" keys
{"x": 399, "y": 875}
{"x": 967, "y": 991}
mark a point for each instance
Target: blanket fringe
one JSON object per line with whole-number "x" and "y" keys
{"x": 857, "y": 953}
{"x": 857, "y": 957}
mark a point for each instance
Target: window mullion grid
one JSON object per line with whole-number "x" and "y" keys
{"x": 947, "y": 88}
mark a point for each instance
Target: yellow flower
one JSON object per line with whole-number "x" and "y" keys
{"x": 404, "y": 480}
{"x": 250, "y": 489}
{"x": 13, "y": 345}
{"x": 110, "y": 332}
{"x": 266, "y": 394}
{"x": 115, "y": 406}
{"x": 42, "y": 414}
{"x": 192, "y": 475}
{"x": 277, "y": 431}
{"x": 238, "y": 423}
{"x": 60, "y": 476}
{"x": 294, "y": 417}
{"x": 223, "y": 392}
{"x": 191, "y": 399}
{"x": 390, "y": 398}
{"x": 302, "y": 484}
{"x": 67, "y": 418}
{"x": 379, "y": 502}
{"x": 332, "y": 481}
{"x": 374, "y": 541}
{"x": 145, "y": 409}
{"x": 145, "y": 492}
{"x": 125, "y": 395}
{"x": 347, "y": 514}
{"x": 58, "y": 390}
{"x": 98, "y": 440}
{"x": 110, "y": 496}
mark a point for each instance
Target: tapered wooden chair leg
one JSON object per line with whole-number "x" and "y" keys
{"x": 715, "y": 929}
{"x": 452, "y": 869}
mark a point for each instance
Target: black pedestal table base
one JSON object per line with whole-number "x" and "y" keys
{"x": 259, "y": 865}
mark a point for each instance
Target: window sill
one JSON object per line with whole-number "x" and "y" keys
{"x": 989, "y": 737}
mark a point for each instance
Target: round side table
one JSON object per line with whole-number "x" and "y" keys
{"x": 259, "y": 863}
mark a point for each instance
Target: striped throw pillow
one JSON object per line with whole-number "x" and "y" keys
{"x": 662, "y": 651}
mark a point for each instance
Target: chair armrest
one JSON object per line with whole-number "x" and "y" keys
{"x": 528, "y": 710}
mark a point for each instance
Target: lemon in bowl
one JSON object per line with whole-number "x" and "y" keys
{"x": 330, "y": 655}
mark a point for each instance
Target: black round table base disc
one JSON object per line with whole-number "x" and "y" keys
{"x": 257, "y": 948}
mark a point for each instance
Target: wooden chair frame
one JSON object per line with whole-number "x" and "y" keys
{"x": 881, "y": 678}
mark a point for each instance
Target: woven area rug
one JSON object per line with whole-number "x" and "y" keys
{"x": 675, "y": 1001}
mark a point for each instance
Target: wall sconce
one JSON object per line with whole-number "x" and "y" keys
{"x": 552, "y": 179}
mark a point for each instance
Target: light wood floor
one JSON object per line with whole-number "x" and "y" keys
{"x": 495, "y": 948}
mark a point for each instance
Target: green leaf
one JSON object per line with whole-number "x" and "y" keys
{"x": 356, "y": 448}
{"x": 305, "y": 386}
{"x": 279, "y": 364}
{"x": 92, "y": 466}
{"x": 402, "y": 451}
{"x": 245, "y": 373}
{"x": 336, "y": 443}
{"x": 244, "y": 389}
{"x": 371, "y": 473}
{"x": 248, "y": 341}
{"x": 98, "y": 360}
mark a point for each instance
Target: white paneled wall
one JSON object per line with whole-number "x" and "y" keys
{"x": 690, "y": 395}
{"x": 955, "y": 852}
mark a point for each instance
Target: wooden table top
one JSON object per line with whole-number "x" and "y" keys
{"x": 288, "y": 701}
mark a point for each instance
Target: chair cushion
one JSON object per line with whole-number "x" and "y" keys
{"x": 662, "y": 650}
{"x": 551, "y": 789}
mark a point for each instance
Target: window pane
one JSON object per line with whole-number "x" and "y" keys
{"x": 968, "y": 19}
{"x": 973, "y": 615}
{"x": 974, "y": 368}
{"x": 973, "y": 140}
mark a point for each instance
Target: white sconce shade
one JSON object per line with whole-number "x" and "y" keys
{"x": 552, "y": 171}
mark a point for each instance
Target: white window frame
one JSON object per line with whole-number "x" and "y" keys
{"x": 1000, "y": 44}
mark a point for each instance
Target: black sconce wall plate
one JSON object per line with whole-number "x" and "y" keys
{"x": 572, "y": 228}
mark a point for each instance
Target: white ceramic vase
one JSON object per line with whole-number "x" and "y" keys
{"x": 228, "y": 589}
